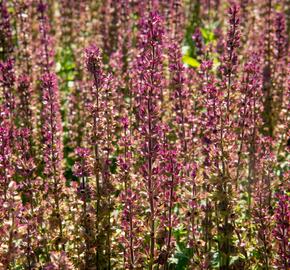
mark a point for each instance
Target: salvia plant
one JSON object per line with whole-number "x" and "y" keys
{"x": 144, "y": 134}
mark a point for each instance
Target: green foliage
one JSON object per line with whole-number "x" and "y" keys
{"x": 190, "y": 61}
{"x": 182, "y": 254}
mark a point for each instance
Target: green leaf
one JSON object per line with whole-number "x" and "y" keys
{"x": 190, "y": 61}
{"x": 207, "y": 35}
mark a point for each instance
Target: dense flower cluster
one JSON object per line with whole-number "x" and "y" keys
{"x": 144, "y": 135}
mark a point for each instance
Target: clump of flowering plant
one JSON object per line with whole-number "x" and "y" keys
{"x": 168, "y": 149}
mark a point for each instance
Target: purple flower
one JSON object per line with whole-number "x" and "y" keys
{"x": 46, "y": 48}
{"x": 82, "y": 168}
{"x": 52, "y": 126}
{"x": 93, "y": 61}
{"x": 179, "y": 93}
{"x": 7, "y": 73}
{"x": 280, "y": 36}
{"x": 6, "y": 168}
{"x": 197, "y": 38}
{"x": 230, "y": 57}
{"x": 7, "y": 79}
{"x": 24, "y": 91}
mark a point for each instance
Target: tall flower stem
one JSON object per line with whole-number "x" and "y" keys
{"x": 52, "y": 138}
{"x": 97, "y": 175}
{"x": 99, "y": 126}
{"x": 228, "y": 69}
{"x": 149, "y": 96}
